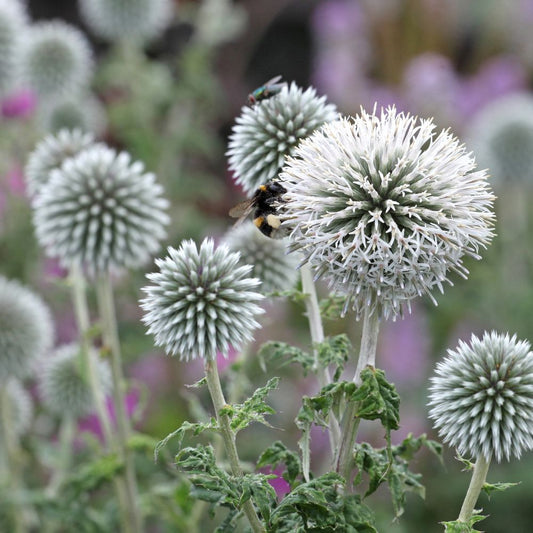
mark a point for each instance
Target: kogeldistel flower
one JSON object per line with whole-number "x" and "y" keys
{"x": 26, "y": 329}
{"x": 268, "y": 131}
{"x": 201, "y": 302}
{"x": 101, "y": 210}
{"x": 20, "y": 407}
{"x": 50, "y": 154}
{"x": 383, "y": 207}
{"x": 481, "y": 397}
{"x": 276, "y": 269}
{"x": 501, "y": 136}
{"x": 64, "y": 386}
{"x": 136, "y": 20}
{"x": 56, "y": 60}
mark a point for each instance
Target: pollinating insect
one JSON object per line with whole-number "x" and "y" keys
{"x": 262, "y": 204}
{"x": 267, "y": 90}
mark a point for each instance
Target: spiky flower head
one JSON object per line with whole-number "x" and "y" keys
{"x": 384, "y": 207}
{"x": 276, "y": 269}
{"x": 202, "y": 301}
{"x": 64, "y": 383}
{"x": 481, "y": 397}
{"x": 127, "y": 20}
{"x": 56, "y": 60}
{"x": 268, "y": 131}
{"x": 50, "y": 154}
{"x": 101, "y": 210}
{"x": 19, "y": 408}
{"x": 26, "y": 330}
{"x": 501, "y": 136}
{"x": 83, "y": 112}
{"x": 13, "y": 21}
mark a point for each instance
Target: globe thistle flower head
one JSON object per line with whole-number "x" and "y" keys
{"x": 481, "y": 398}
{"x": 127, "y": 20}
{"x": 271, "y": 263}
{"x": 501, "y": 136}
{"x": 64, "y": 384}
{"x": 101, "y": 210}
{"x": 56, "y": 60}
{"x": 50, "y": 154}
{"x": 383, "y": 208}
{"x": 265, "y": 133}
{"x": 202, "y": 301}
{"x": 13, "y": 21}
{"x": 20, "y": 407}
{"x": 26, "y": 330}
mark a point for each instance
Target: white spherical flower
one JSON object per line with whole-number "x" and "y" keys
{"x": 134, "y": 20}
{"x": 56, "y": 60}
{"x": 481, "y": 398}
{"x": 268, "y": 131}
{"x": 83, "y": 112}
{"x": 26, "y": 329}
{"x": 201, "y": 302}
{"x": 501, "y": 136}
{"x": 64, "y": 384}
{"x": 50, "y": 154}
{"x": 276, "y": 269}
{"x": 101, "y": 210}
{"x": 383, "y": 208}
{"x": 20, "y": 407}
{"x": 13, "y": 21}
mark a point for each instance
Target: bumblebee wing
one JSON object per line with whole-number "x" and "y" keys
{"x": 242, "y": 210}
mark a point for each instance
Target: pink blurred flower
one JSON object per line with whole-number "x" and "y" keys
{"x": 21, "y": 104}
{"x": 15, "y": 181}
{"x": 278, "y": 483}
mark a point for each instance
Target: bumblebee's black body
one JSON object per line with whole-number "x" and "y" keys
{"x": 264, "y": 212}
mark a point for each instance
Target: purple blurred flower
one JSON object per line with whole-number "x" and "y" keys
{"x": 404, "y": 348}
{"x": 337, "y": 19}
{"x": 21, "y": 104}
{"x": 15, "y": 181}
{"x": 278, "y": 483}
{"x": 152, "y": 370}
{"x": 410, "y": 422}
{"x": 497, "y": 77}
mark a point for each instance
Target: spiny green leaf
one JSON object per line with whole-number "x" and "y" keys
{"x": 283, "y": 354}
{"x": 294, "y": 295}
{"x": 277, "y": 454}
{"x": 194, "y": 428}
{"x": 200, "y": 383}
{"x": 334, "y": 351}
{"x": 331, "y": 307}
{"x": 468, "y": 465}
{"x": 464, "y": 527}
{"x": 253, "y": 409}
{"x": 93, "y": 475}
{"x": 489, "y": 488}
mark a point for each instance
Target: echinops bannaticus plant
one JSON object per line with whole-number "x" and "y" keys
{"x": 269, "y": 130}
{"x": 202, "y": 301}
{"x": 384, "y": 207}
{"x": 101, "y": 210}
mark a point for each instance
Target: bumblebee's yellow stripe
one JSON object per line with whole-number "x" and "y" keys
{"x": 259, "y": 221}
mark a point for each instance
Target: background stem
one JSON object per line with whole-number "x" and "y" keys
{"x": 479, "y": 475}
{"x": 217, "y": 396}
{"x": 110, "y": 334}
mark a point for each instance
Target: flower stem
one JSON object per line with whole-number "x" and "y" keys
{"x": 66, "y": 434}
{"x": 110, "y": 334}
{"x": 217, "y": 396}
{"x": 11, "y": 446}
{"x": 350, "y": 424}
{"x": 479, "y": 475}
{"x": 317, "y": 336}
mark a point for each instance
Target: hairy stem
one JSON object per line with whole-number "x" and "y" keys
{"x": 317, "y": 336}
{"x": 479, "y": 475}
{"x": 217, "y": 396}
{"x": 110, "y": 334}
{"x": 66, "y": 435}
{"x": 350, "y": 424}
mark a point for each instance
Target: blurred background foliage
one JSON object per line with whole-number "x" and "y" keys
{"x": 172, "y": 106}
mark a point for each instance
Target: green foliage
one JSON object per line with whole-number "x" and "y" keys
{"x": 335, "y": 351}
{"x": 320, "y": 505}
{"x": 331, "y": 307}
{"x": 464, "y": 527}
{"x": 391, "y": 465}
{"x": 489, "y": 488}
{"x": 253, "y": 409}
{"x": 215, "y": 486}
{"x": 276, "y": 454}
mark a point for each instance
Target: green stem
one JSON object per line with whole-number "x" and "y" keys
{"x": 217, "y": 396}
{"x": 10, "y": 445}
{"x": 110, "y": 334}
{"x": 66, "y": 435}
{"x": 350, "y": 424}
{"x": 317, "y": 337}
{"x": 479, "y": 475}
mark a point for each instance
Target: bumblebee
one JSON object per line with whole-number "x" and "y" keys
{"x": 267, "y": 90}
{"x": 261, "y": 203}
